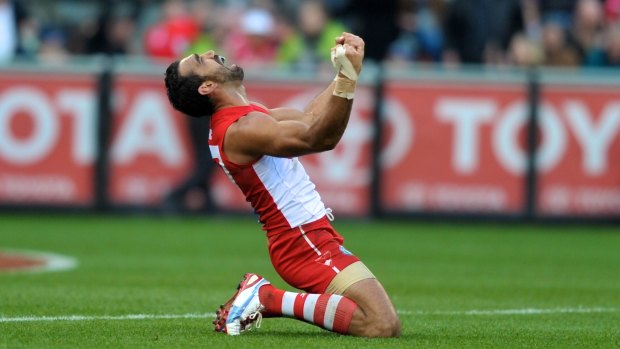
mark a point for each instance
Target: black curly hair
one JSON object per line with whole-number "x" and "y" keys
{"x": 183, "y": 93}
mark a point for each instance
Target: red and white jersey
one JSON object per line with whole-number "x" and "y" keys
{"x": 278, "y": 189}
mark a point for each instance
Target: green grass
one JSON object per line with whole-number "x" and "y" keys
{"x": 434, "y": 272}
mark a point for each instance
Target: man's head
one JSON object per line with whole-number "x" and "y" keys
{"x": 194, "y": 83}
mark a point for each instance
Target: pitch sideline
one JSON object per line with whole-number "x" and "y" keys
{"x": 525, "y": 311}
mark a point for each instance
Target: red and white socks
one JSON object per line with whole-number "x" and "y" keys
{"x": 329, "y": 311}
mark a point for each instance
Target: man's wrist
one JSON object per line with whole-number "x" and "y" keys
{"x": 344, "y": 87}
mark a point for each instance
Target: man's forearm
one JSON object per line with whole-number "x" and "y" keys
{"x": 329, "y": 112}
{"x": 329, "y": 117}
{"x": 314, "y": 107}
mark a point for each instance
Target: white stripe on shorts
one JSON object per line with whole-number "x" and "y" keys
{"x": 303, "y": 233}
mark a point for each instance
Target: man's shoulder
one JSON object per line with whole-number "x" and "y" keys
{"x": 260, "y": 107}
{"x": 245, "y": 136}
{"x": 255, "y": 118}
{"x": 251, "y": 123}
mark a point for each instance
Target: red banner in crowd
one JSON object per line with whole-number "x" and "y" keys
{"x": 47, "y": 127}
{"x": 150, "y": 151}
{"x": 581, "y": 171}
{"x": 446, "y": 160}
{"x": 464, "y": 150}
{"x": 448, "y": 147}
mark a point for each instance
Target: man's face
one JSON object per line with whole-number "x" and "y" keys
{"x": 211, "y": 67}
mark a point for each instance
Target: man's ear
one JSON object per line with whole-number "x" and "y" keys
{"x": 207, "y": 87}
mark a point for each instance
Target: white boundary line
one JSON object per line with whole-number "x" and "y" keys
{"x": 490, "y": 312}
{"x": 105, "y": 317}
{"x": 525, "y": 311}
{"x": 51, "y": 262}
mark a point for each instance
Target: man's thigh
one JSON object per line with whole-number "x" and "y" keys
{"x": 310, "y": 260}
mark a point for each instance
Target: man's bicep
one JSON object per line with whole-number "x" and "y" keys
{"x": 285, "y": 114}
{"x": 262, "y": 135}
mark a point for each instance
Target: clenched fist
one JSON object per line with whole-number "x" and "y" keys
{"x": 354, "y": 49}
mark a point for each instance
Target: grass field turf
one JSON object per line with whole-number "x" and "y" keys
{"x": 455, "y": 285}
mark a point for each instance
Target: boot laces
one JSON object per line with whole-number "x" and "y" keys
{"x": 256, "y": 318}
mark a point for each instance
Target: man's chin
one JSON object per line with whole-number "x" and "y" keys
{"x": 237, "y": 73}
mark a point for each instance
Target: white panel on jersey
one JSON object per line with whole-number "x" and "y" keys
{"x": 215, "y": 154}
{"x": 291, "y": 189}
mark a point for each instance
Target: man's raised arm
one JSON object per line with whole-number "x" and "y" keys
{"x": 289, "y": 132}
{"x": 325, "y": 118}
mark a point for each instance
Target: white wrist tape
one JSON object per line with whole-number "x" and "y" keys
{"x": 342, "y": 64}
{"x": 344, "y": 87}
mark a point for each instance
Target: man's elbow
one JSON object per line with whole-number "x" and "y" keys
{"x": 316, "y": 142}
{"x": 326, "y": 144}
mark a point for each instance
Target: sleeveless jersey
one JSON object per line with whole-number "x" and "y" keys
{"x": 278, "y": 189}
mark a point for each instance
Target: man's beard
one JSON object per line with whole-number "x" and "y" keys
{"x": 230, "y": 74}
{"x": 236, "y": 74}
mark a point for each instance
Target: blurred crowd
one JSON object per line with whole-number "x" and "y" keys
{"x": 569, "y": 33}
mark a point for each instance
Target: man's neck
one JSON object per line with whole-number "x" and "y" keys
{"x": 232, "y": 96}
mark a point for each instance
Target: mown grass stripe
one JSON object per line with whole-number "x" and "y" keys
{"x": 490, "y": 312}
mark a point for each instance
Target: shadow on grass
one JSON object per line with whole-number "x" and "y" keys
{"x": 319, "y": 335}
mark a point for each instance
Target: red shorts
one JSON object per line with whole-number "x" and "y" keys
{"x": 309, "y": 257}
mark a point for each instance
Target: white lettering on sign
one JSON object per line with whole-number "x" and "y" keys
{"x": 141, "y": 188}
{"x": 512, "y": 154}
{"x": 561, "y": 199}
{"x": 467, "y": 115}
{"x": 35, "y": 188}
{"x": 45, "y": 126}
{"x": 594, "y": 138}
{"x": 80, "y": 106}
{"x": 594, "y": 135}
{"x": 148, "y": 127}
{"x": 447, "y": 196}
{"x": 149, "y": 130}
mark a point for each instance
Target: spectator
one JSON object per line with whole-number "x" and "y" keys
{"x": 111, "y": 34}
{"x": 558, "y": 50}
{"x": 611, "y": 56}
{"x": 254, "y": 42}
{"x": 523, "y": 51}
{"x": 13, "y": 17}
{"x": 557, "y": 11}
{"x": 612, "y": 11}
{"x": 119, "y": 35}
{"x": 171, "y": 37}
{"x": 532, "y": 23}
{"x": 311, "y": 43}
{"x": 376, "y": 22}
{"x": 587, "y": 31}
{"x": 52, "y": 47}
{"x": 204, "y": 14}
{"x": 554, "y": 32}
{"x": 479, "y": 31}
{"x": 420, "y": 35}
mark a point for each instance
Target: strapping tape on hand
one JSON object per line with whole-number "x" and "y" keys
{"x": 342, "y": 64}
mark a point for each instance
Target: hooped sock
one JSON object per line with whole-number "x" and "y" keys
{"x": 329, "y": 311}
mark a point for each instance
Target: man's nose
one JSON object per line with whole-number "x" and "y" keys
{"x": 209, "y": 54}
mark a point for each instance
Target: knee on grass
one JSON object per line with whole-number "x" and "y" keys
{"x": 380, "y": 327}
